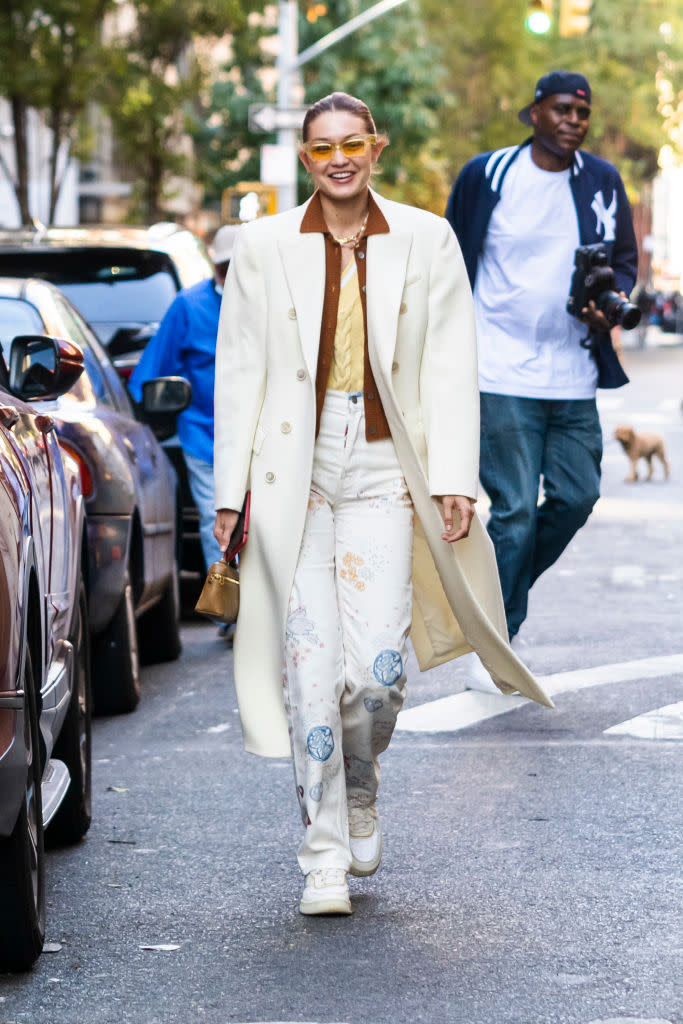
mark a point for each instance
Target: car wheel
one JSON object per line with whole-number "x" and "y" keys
{"x": 74, "y": 744}
{"x": 115, "y": 662}
{"x": 22, "y": 856}
{"x": 159, "y": 628}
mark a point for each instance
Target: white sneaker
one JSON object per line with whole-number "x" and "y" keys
{"x": 326, "y": 892}
{"x": 477, "y": 676}
{"x": 365, "y": 840}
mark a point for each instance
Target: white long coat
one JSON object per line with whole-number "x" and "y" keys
{"x": 421, "y": 339}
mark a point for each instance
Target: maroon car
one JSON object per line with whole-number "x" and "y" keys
{"x": 44, "y": 657}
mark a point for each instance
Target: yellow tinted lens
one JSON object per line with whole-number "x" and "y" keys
{"x": 353, "y": 147}
{"x": 321, "y": 151}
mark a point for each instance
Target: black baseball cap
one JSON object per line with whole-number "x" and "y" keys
{"x": 553, "y": 83}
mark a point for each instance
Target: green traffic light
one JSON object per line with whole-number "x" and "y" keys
{"x": 538, "y": 22}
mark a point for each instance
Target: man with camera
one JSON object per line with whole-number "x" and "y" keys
{"x": 543, "y": 227}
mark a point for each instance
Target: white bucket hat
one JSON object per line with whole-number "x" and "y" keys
{"x": 224, "y": 243}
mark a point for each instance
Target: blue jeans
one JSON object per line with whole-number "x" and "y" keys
{"x": 200, "y": 475}
{"x": 522, "y": 441}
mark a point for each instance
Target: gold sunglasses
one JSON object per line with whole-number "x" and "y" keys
{"x": 323, "y": 151}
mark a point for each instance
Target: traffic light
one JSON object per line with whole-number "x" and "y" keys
{"x": 575, "y": 19}
{"x": 539, "y": 16}
{"x": 315, "y": 11}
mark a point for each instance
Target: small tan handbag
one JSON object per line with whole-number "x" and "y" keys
{"x": 220, "y": 596}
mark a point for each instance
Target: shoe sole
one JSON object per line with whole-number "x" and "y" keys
{"x": 333, "y": 905}
{"x": 365, "y": 868}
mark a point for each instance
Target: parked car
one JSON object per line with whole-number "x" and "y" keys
{"x": 122, "y": 280}
{"x": 45, "y": 749}
{"x": 130, "y": 492}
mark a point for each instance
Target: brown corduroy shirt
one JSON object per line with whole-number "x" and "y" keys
{"x": 376, "y": 426}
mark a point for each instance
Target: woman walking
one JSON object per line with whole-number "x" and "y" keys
{"x": 346, "y": 399}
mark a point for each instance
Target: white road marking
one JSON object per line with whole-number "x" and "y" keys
{"x": 632, "y": 1020}
{"x": 636, "y": 509}
{"x": 460, "y": 710}
{"x": 661, "y": 724}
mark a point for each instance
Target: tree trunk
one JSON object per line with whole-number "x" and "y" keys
{"x": 20, "y": 120}
{"x": 56, "y": 121}
{"x": 153, "y": 188}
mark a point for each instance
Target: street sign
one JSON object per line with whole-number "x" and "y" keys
{"x": 269, "y": 118}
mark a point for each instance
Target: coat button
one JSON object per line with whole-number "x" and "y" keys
{"x": 286, "y": 427}
{"x": 301, "y": 375}
{"x": 394, "y": 367}
{"x": 361, "y": 255}
{"x": 370, "y": 396}
{"x": 372, "y": 430}
{"x": 402, "y": 308}
{"x": 270, "y": 477}
{"x": 292, "y": 314}
{"x": 363, "y": 288}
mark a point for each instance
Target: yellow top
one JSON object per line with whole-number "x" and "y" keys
{"x": 348, "y": 361}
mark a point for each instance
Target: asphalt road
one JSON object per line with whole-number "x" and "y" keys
{"x": 532, "y": 867}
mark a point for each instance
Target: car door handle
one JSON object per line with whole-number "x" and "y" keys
{"x": 45, "y": 423}
{"x": 128, "y": 445}
{"x": 8, "y": 416}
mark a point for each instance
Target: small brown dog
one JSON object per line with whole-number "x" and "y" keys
{"x": 642, "y": 446}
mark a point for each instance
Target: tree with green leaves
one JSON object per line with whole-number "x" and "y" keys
{"x": 154, "y": 78}
{"x": 389, "y": 63}
{"x": 50, "y": 58}
{"x": 227, "y": 152}
{"x": 493, "y": 63}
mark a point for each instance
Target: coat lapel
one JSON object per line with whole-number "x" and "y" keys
{"x": 303, "y": 260}
{"x": 386, "y": 274}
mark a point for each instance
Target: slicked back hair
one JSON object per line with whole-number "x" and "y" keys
{"x": 339, "y": 101}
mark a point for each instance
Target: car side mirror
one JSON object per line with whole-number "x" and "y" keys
{"x": 43, "y": 368}
{"x": 163, "y": 398}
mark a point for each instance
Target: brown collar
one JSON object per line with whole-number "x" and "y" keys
{"x": 314, "y": 220}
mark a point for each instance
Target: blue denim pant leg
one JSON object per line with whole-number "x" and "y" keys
{"x": 512, "y": 443}
{"x": 200, "y": 476}
{"x": 522, "y": 440}
{"x": 571, "y": 478}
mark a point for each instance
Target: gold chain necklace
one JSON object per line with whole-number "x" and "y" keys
{"x": 356, "y": 237}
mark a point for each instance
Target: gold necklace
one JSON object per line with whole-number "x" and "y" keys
{"x": 356, "y": 237}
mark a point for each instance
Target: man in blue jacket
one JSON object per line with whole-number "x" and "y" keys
{"x": 185, "y": 345}
{"x": 519, "y": 214}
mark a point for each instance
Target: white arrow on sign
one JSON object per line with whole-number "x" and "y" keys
{"x": 267, "y": 118}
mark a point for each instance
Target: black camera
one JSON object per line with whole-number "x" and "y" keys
{"x": 593, "y": 279}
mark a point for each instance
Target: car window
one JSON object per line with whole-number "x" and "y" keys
{"x": 111, "y": 286}
{"x": 122, "y": 297}
{"x": 95, "y": 377}
{"x": 104, "y": 377}
{"x": 17, "y": 317}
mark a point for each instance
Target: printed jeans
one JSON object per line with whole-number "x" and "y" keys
{"x": 522, "y": 440}
{"x": 348, "y": 620}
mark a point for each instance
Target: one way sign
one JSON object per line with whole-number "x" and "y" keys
{"x": 268, "y": 118}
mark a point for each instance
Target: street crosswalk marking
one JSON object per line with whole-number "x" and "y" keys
{"x": 461, "y": 710}
{"x": 661, "y": 724}
{"x": 630, "y": 509}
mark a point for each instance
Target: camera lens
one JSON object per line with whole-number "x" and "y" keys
{"x": 618, "y": 310}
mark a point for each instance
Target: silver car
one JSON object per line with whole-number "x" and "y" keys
{"x": 130, "y": 491}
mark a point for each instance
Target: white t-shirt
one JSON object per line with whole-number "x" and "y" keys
{"x": 528, "y": 344}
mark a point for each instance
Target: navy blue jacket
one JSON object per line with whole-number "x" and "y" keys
{"x": 603, "y": 214}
